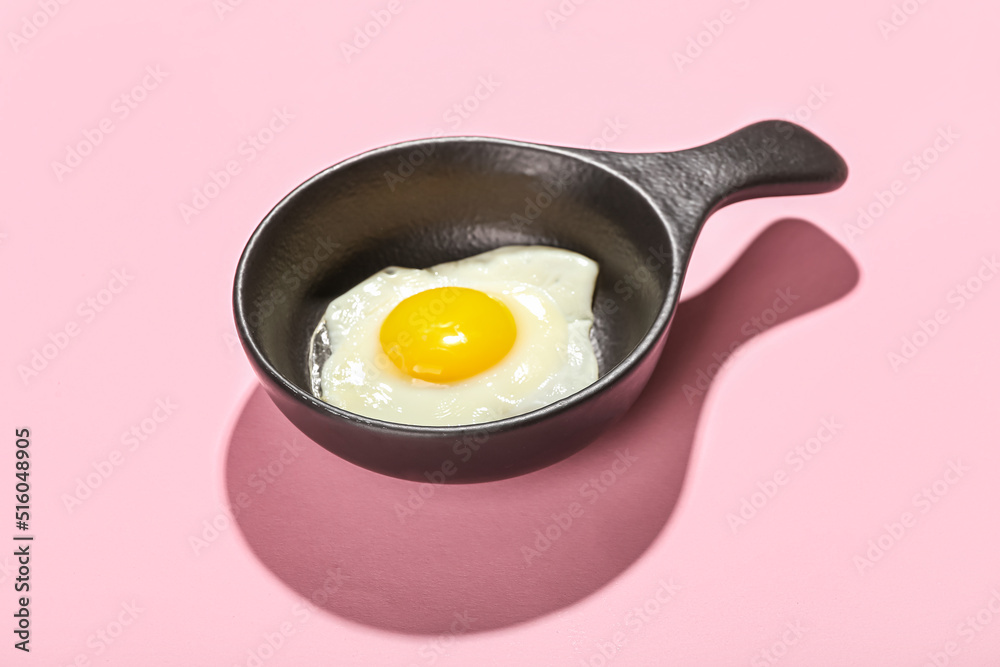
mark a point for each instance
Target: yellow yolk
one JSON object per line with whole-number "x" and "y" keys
{"x": 447, "y": 333}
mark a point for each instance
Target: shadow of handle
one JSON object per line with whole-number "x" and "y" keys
{"x": 407, "y": 557}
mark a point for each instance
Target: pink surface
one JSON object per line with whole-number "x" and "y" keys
{"x": 744, "y": 521}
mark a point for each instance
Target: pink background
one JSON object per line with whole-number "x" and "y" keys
{"x": 787, "y": 586}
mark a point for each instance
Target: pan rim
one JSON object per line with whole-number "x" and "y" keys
{"x": 615, "y": 374}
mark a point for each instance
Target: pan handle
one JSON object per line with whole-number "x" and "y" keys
{"x": 767, "y": 159}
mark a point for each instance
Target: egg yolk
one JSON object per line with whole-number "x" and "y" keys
{"x": 447, "y": 333}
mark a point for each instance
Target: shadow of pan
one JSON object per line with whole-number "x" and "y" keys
{"x": 412, "y": 557}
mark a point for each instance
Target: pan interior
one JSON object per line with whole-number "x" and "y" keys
{"x": 423, "y": 204}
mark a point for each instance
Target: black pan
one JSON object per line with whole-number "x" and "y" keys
{"x": 420, "y": 203}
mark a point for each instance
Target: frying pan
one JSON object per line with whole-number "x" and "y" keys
{"x": 420, "y": 203}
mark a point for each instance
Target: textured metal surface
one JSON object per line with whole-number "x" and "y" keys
{"x": 423, "y": 203}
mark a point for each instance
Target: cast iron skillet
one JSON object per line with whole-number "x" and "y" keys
{"x": 421, "y": 203}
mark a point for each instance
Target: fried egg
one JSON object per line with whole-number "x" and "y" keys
{"x": 476, "y": 340}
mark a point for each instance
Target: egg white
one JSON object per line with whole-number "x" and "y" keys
{"x": 548, "y": 291}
